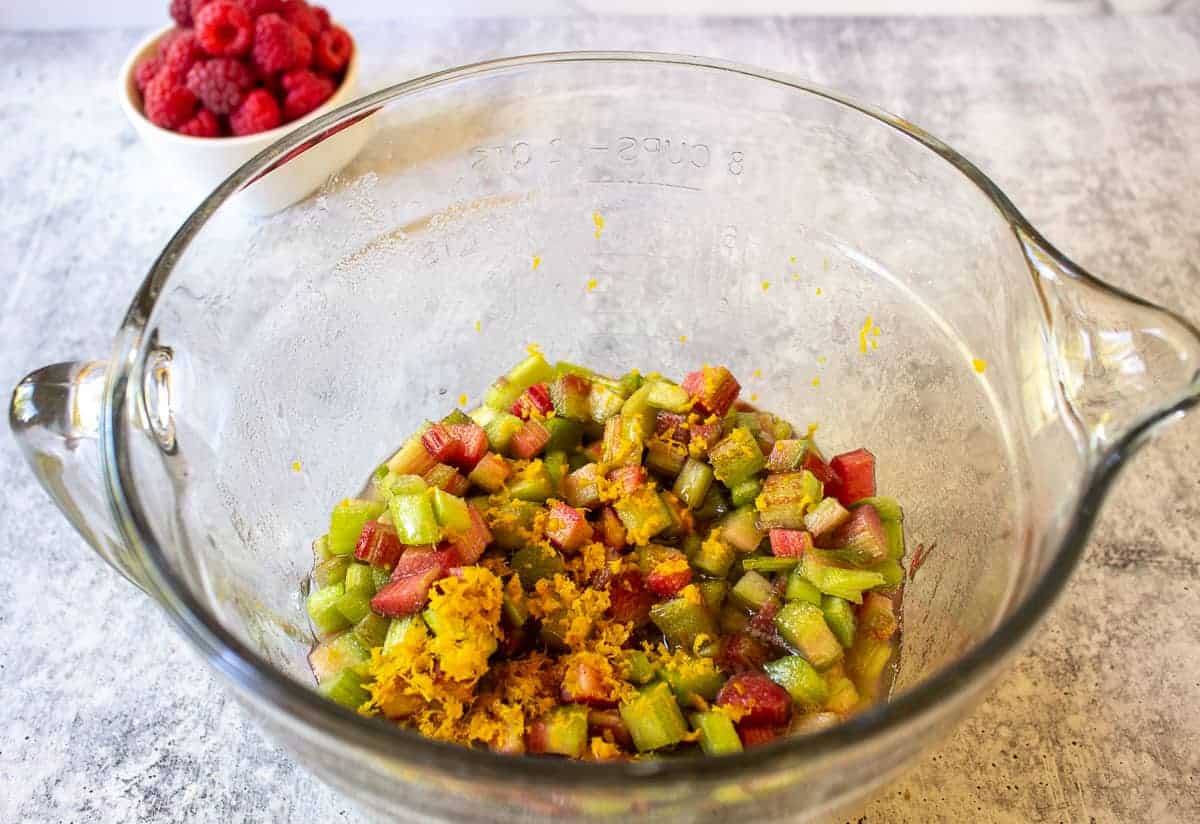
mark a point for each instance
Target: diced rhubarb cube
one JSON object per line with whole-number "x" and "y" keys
{"x": 535, "y": 399}
{"x": 672, "y": 426}
{"x": 861, "y": 540}
{"x": 790, "y": 543}
{"x": 762, "y": 623}
{"x": 567, "y": 528}
{"x": 877, "y": 615}
{"x": 628, "y": 477}
{"x": 447, "y": 479}
{"x": 472, "y": 441}
{"x": 406, "y": 596}
{"x": 378, "y": 544}
{"x": 765, "y": 703}
{"x": 707, "y": 433}
{"x": 602, "y": 721}
{"x": 417, "y": 560}
{"x": 855, "y": 476}
{"x": 714, "y": 389}
{"x": 669, "y": 576}
{"x": 581, "y": 487}
{"x": 742, "y": 651}
{"x": 629, "y": 600}
{"x": 814, "y": 464}
{"x": 569, "y": 394}
{"x": 490, "y": 473}
{"x": 611, "y": 530}
{"x": 412, "y": 459}
{"x": 442, "y": 445}
{"x": 474, "y": 541}
{"x": 457, "y": 484}
{"x": 529, "y": 440}
{"x": 583, "y": 683}
{"x": 787, "y": 455}
{"x": 756, "y": 736}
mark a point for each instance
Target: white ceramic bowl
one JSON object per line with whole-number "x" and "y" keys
{"x": 204, "y": 162}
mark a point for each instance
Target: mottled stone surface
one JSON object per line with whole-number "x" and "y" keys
{"x": 1091, "y": 125}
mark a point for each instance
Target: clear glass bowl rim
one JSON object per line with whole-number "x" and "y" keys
{"x": 251, "y": 672}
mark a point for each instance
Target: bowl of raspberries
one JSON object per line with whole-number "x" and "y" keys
{"x": 233, "y": 76}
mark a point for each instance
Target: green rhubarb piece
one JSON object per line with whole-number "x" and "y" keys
{"x": 866, "y": 661}
{"x": 322, "y": 609}
{"x": 410, "y": 458}
{"x": 800, "y": 588}
{"x": 532, "y": 483}
{"x": 894, "y": 530}
{"x": 482, "y": 415}
{"x": 346, "y": 689}
{"x": 787, "y": 454}
{"x": 651, "y": 555}
{"x": 622, "y": 444}
{"x": 693, "y": 482}
{"x": 331, "y": 570}
{"x": 640, "y": 669}
{"x": 715, "y": 503}
{"x": 769, "y": 563}
{"x": 359, "y": 579}
{"x": 861, "y": 541}
{"x": 451, "y": 511}
{"x": 740, "y": 529}
{"x": 414, "y": 519}
{"x": 643, "y": 514}
{"x": 713, "y": 593}
{"x": 693, "y": 678}
{"x": 839, "y": 615}
{"x": 653, "y": 718}
{"x": 718, "y": 736}
{"x": 843, "y": 695}
{"x": 888, "y": 508}
{"x": 565, "y": 435}
{"x": 736, "y": 457}
{"x": 347, "y": 522}
{"x": 354, "y": 605}
{"x": 665, "y": 457}
{"x": 604, "y": 403}
{"x": 330, "y": 657}
{"x": 714, "y": 557}
{"x": 682, "y": 622}
{"x": 511, "y": 523}
{"x": 676, "y": 512}
{"x": 372, "y": 630}
{"x": 806, "y": 686}
{"x": 803, "y": 627}
{"x": 490, "y": 473}
{"x": 745, "y": 492}
{"x": 581, "y": 488}
{"x": 320, "y": 548}
{"x": 786, "y": 497}
{"x": 456, "y": 416}
{"x": 556, "y": 468}
{"x": 691, "y": 544}
{"x": 394, "y": 484}
{"x": 892, "y": 573}
{"x": 380, "y": 576}
{"x": 564, "y": 367}
{"x": 668, "y": 396}
{"x": 569, "y": 394}
{"x": 752, "y": 591}
{"x": 500, "y": 431}
{"x": 832, "y": 579}
{"x": 825, "y": 517}
{"x": 534, "y": 562}
{"x": 516, "y": 610}
{"x": 732, "y": 618}
{"x": 566, "y": 729}
{"x": 765, "y": 427}
{"x": 629, "y": 383}
{"x": 441, "y": 476}
{"x": 397, "y": 630}
{"x": 504, "y": 392}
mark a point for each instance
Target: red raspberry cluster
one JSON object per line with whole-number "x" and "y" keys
{"x": 242, "y": 66}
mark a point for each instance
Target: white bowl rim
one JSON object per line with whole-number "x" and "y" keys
{"x": 133, "y": 110}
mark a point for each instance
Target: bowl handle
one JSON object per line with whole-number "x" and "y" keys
{"x": 55, "y": 416}
{"x": 1125, "y": 366}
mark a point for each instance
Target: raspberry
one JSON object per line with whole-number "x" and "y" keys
{"x": 224, "y": 29}
{"x": 333, "y": 49}
{"x": 180, "y": 54}
{"x": 220, "y": 84}
{"x": 322, "y": 16}
{"x": 275, "y": 42}
{"x": 203, "y": 124}
{"x": 258, "y": 113}
{"x": 257, "y": 8}
{"x": 194, "y": 7}
{"x": 167, "y": 102}
{"x": 181, "y": 12}
{"x": 302, "y": 16}
{"x": 146, "y": 71}
{"x": 304, "y": 49}
{"x": 303, "y": 92}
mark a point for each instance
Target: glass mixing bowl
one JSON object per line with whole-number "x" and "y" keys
{"x": 616, "y": 209}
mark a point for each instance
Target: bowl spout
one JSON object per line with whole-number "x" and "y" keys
{"x": 1124, "y": 366}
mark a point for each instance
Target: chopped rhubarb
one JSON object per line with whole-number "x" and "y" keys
{"x": 569, "y": 394}
{"x": 567, "y": 528}
{"x": 628, "y": 478}
{"x": 412, "y": 459}
{"x": 755, "y": 736}
{"x": 742, "y": 652}
{"x": 669, "y": 576}
{"x": 790, "y": 543}
{"x": 713, "y": 389}
{"x": 877, "y": 616}
{"x": 814, "y": 464}
{"x": 763, "y": 702}
{"x": 447, "y": 479}
{"x": 490, "y": 473}
{"x": 601, "y": 722}
{"x": 378, "y": 544}
{"x": 629, "y": 600}
{"x": 861, "y": 540}
{"x": 855, "y": 476}
{"x": 471, "y": 543}
{"x": 581, "y": 488}
{"x": 611, "y": 530}
{"x": 533, "y": 401}
{"x": 529, "y": 440}
{"x": 405, "y": 596}
{"x": 672, "y": 426}
{"x": 787, "y": 455}
{"x": 417, "y": 560}
{"x": 473, "y": 444}
{"x": 584, "y": 683}
{"x": 441, "y": 444}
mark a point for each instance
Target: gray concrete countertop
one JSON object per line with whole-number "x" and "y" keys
{"x": 1091, "y": 125}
